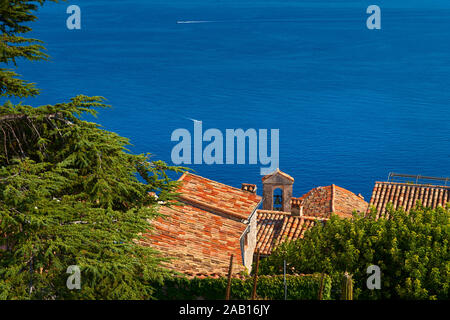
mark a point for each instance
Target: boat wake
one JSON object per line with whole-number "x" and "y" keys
{"x": 194, "y": 21}
{"x": 255, "y": 21}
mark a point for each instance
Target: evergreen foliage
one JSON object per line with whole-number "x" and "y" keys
{"x": 15, "y": 15}
{"x": 70, "y": 192}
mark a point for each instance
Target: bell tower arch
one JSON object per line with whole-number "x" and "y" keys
{"x": 277, "y": 191}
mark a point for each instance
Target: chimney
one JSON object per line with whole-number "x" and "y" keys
{"x": 296, "y": 206}
{"x": 249, "y": 187}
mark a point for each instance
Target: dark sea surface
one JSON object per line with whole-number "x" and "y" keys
{"x": 351, "y": 104}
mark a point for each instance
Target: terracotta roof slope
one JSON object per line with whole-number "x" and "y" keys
{"x": 318, "y": 202}
{"x": 275, "y": 227}
{"x": 206, "y": 228}
{"x": 198, "y": 240}
{"x": 345, "y": 202}
{"x": 214, "y": 196}
{"x": 405, "y": 195}
{"x": 322, "y": 201}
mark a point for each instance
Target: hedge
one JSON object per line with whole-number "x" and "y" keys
{"x": 299, "y": 287}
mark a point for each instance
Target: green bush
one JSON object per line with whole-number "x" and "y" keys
{"x": 411, "y": 250}
{"x": 304, "y": 287}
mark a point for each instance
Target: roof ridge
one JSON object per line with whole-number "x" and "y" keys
{"x": 333, "y": 197}
{"x": 220, "y": 183}
{"x": 310, "y": 191}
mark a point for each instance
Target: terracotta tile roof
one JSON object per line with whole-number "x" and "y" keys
{"x": 198, "y": 240}
{"x": 345, "y": 202}
{"x": 405, "y": 195}
{"x": 274, "y": 227}
{"x": 214, "y": 196}
{"x": 322, "y": 201}
{"x": 206, "y": 229}
{"x": 318, "y": 202}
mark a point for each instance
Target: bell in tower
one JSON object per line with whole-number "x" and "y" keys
{"x": 277, "y": 191}
{"x": 278, "y": 200}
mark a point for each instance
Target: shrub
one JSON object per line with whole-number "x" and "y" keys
{"x": 411, "y": 250}
{"x": 299, "y": 287}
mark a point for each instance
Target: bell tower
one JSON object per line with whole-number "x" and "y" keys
{"x": 277, "y": 191}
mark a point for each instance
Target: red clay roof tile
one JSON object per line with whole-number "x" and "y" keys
{"x": 406, "y": 195}
{"x": 214, "y": 196}
{"x": 205, "y": 230}
{"x": 322, "y": 201}
{"x": 275, "y": 227}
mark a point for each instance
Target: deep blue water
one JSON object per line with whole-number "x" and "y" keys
{"x": 351, "y": 104}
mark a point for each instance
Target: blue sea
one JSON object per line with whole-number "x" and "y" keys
{"x": 351, "y": 104}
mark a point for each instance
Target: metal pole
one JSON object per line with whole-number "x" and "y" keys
{"x": 285, "y": 286}
{"x": 322, "y": 277}
{"x": 230, "y": 272}
{"x": 255, "y": 278}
